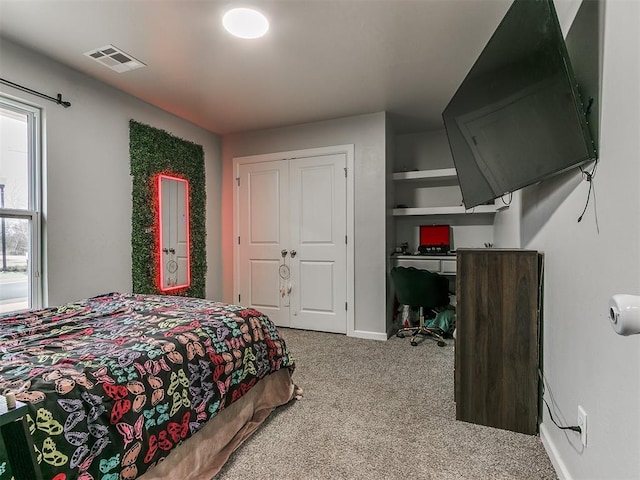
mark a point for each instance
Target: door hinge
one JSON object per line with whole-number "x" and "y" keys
{"x": 346, "y": 306}
{"x": 238, "y": 180}
{"x": 239, "y": 298}
{"x": 238, "y": 239}
{"x": 345, "y": 172}
{"x": 345, "y": 240}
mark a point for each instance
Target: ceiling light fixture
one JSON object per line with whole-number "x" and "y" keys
{"x": 245, "y": 23}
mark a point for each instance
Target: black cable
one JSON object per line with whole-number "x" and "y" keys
{"x": 590, "y": 104}
{"x": 587, "y": 202}
{"x": 595, "y": 206}
{"x": 575, "y": 428}
{"x": 589, "y": 176}
{"x": 510, "y": 199}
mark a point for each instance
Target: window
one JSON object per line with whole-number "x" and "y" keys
{"x": 20, "y": 174}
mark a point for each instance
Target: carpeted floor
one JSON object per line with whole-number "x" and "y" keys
{"x": 379, "y": 410}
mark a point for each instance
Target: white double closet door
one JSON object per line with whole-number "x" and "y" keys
{"x": 292, "y": 241}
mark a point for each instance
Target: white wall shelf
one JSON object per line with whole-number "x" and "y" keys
{"x": 453, "y": 210}
{"x": 426, "y": 191}
{"x": 442, "y": 176}
{"x": 435, "y": 178}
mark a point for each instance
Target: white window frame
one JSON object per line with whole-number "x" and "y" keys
{"x": 33, "y": 212}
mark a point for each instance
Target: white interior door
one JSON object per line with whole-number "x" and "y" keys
{"x": 297, "y": 206}
{"x": 318, "y": 243}
{"x": 263, "y": 220}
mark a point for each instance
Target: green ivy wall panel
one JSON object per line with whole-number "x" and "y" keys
{"x": 153, "y": 152}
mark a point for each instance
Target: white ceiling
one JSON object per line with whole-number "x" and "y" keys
{"x": 321, "y": 59}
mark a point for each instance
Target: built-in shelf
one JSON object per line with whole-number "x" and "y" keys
{"x": 442, "y": 176}
{"x": 432, "y": 178}
{"x": 453, "y": 210}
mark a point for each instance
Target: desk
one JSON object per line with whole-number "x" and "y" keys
{"x": 17, "y": 441}
{"x": 442, "y": 264}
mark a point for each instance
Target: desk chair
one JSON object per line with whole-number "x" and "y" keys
{"x": 422, "y": 289}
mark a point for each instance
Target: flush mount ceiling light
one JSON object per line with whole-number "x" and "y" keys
{"x": 245, "y": 23}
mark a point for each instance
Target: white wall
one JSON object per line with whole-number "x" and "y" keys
{"x": 423, "y": 151}
{"x": 88, "y": 187}
{"x": 367, "y": 133}
{"x": 585, "y": 363}
{"x": 506, "y": 225}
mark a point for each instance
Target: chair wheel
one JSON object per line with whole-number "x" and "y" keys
{"x": 441, "y": 343}
{"x": 400, "y": 334}
{"x": 414, "y": 344}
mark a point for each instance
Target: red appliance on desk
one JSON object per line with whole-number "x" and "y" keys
{"x": 435, "y": 239}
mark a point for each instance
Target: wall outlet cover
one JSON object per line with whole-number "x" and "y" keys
{"x": 582, "y": 423}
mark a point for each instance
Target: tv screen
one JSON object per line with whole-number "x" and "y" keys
{"x": 517, "y": 118}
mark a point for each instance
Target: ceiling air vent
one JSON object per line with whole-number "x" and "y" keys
{"x": 114, "y": 58}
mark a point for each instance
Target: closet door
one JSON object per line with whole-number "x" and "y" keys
{"x": 318, "y": 243}
{"x": 295, "y": 208}
{"x": 263, "y": 221}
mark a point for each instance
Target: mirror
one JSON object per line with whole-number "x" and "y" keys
{"x": 173, "y": 233}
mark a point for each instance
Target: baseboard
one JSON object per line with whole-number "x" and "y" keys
{"x": 554, "y": 456}
{"x": 369, "y": 335}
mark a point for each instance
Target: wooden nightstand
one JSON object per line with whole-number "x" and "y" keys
{"x": 18, "y": 442}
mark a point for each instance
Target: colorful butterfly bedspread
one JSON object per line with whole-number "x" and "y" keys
{"x": 116, "y": 381}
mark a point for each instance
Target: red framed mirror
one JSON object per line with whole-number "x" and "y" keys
{"x": 173, "y": 233}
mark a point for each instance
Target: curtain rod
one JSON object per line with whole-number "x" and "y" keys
{"x": 57, "y": 99}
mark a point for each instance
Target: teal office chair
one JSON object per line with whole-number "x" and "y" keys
{"x": 422, "y": 289}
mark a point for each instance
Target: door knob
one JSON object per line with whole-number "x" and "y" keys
{"x": 293, "y": 253}
{"x": 284, "y": 253}
{"x": 165, "y": 250}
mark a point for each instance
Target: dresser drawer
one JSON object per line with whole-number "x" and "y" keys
{"x": 448, "y": 266}
{"x": 431, "y": 264}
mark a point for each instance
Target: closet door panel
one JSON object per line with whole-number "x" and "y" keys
{"x": 264, "y": 232}
{"x": 318, "y": 229}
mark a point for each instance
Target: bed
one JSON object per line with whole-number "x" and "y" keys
{"x": 115, "y": 382}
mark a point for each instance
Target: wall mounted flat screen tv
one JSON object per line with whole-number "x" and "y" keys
{"x": 517, "y": 118}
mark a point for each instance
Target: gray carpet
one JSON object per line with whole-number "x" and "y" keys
{"x": 379, "y": 410}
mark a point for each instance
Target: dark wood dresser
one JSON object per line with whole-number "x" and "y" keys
{"x": 497, "y": 346}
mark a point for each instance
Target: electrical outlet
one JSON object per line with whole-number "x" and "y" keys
{"x": 582, "y": 423}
